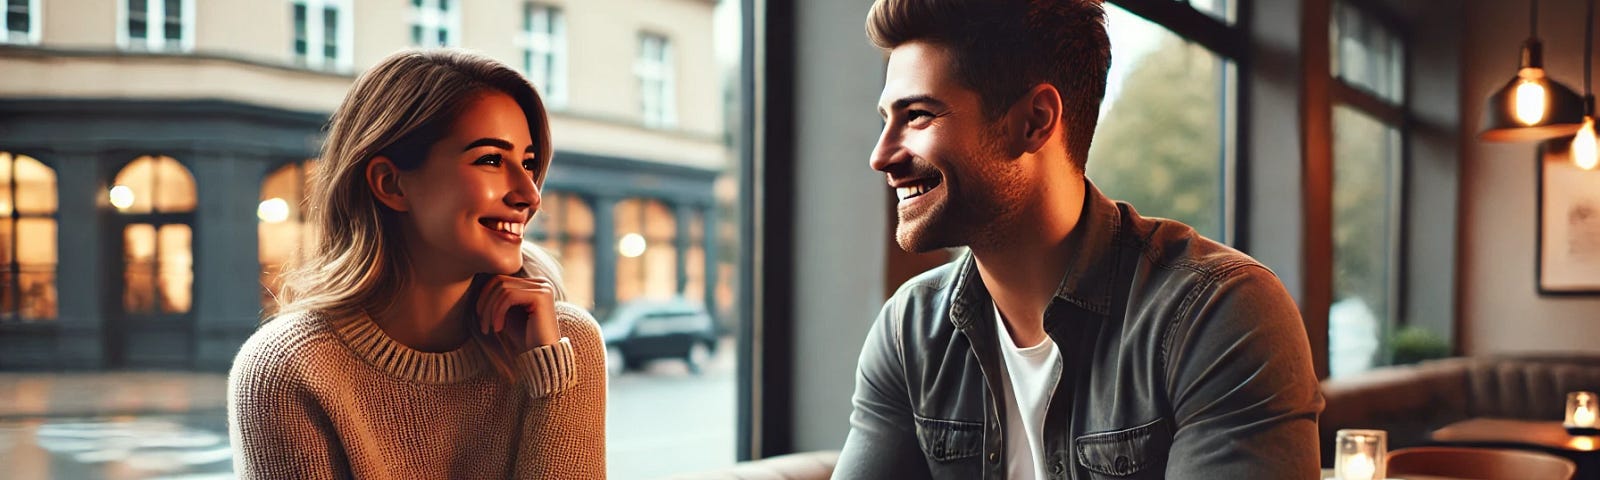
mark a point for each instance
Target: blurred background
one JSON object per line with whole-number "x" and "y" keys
{"x": 711, "y": 202}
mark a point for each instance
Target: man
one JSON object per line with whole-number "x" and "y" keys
{"x": 1075, "y": 339}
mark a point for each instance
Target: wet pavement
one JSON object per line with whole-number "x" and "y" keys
{"x": 172, "y": 425}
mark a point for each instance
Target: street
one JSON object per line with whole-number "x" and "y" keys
{"x": 172, "y": 425}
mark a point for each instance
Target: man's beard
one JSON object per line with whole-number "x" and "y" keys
{"x": 979, "y": 216}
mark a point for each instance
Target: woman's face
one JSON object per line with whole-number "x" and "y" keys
{"x": 471, "y": 198}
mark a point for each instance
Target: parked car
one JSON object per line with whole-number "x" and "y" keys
{"x": 642, "y": 331}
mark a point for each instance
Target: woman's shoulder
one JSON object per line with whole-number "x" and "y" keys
{"x": 576, "y": 323}
{"x": 285, "y": 344}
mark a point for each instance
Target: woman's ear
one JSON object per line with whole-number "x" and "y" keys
{"x": 384, "y": 181}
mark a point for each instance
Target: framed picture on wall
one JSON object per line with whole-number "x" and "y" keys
{"x": 1569, "y": 224}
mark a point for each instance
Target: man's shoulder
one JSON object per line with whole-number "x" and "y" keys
{"x": 1173, "y": 245}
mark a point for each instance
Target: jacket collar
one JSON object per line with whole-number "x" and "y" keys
{"x": 1087, "y": 282}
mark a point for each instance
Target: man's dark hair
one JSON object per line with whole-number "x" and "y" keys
{"x": 1002, "y": 48}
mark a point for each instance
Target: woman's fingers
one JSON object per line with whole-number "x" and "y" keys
{"x": 535, "y": 296}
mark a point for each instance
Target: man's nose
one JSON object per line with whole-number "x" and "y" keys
{"x": 887, "y": 152}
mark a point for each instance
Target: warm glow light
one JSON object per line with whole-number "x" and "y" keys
{"x": 121, "y": 197}
{"x": 1530, "y": 102}
{"x": 273, "y": 210}
{"x": 1582, "y": 443}
{"x": 1584, "y": 149}
{"x": 1359, "y": 466}
{"x": 632, "y": 245}
{"x": 1583, "y": 417}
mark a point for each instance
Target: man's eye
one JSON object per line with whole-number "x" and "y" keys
{"x": 492, "y": 159}
{"x": 915, "y": 115}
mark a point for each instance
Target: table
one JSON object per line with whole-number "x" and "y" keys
{"x": 1544, "y": 436}
{"x": 1327, "y": 473}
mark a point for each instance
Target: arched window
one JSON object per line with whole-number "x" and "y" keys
{"x": 27, "y": 239}
{"x": 155, "y": 196}
{"x": 564, "y": 226}
{"x": 282, "y": 231}
{"x": 647, "y": 256}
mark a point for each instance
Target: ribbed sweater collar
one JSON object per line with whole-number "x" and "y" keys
{"x": 369, "y": 341}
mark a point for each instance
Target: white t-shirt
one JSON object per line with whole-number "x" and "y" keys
{"x": 1028, "y": 376}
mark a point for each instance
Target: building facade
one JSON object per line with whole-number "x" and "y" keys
{"x": 153, "y": 155}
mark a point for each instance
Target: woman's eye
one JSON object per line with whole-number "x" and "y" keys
{"x": 531, "y": 165}
{"x": 490, "y": 159}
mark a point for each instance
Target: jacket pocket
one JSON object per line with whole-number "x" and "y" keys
{"x": 949, "y": 440}
{"x": 1126, "y": 453}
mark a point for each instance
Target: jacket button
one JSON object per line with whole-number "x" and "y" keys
{"x": 1055, "y": 468}
{"x": 1121, "y": 463}
{"x": 994, "y": 457}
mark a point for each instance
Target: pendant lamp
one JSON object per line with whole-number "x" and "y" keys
{"x": 1531, "y": 106}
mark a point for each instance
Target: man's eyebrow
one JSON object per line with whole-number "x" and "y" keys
{"x": 906, "y": 101}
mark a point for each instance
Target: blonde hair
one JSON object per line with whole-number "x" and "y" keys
{"x": 357, "y": 260}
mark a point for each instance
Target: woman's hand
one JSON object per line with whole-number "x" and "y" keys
{"x": 523, "y": 309}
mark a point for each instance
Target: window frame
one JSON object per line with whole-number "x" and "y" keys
{"x": 316, "y": 39}
{"x": 428, "y": 15}
{"x": 1392, "y": 114}
{"x": 13, "y": 316}
{"x": 35, "y": 23}
{"x": 550, "y": 44}
{"x": 660, "y": 72}
{"x": 156, "y": 9}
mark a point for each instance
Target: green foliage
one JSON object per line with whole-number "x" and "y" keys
{"x": 1159, "y": 146}
{"x": 1414, "y": 344}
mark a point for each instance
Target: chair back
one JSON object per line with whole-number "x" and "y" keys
{"x": 1480, "y": 463}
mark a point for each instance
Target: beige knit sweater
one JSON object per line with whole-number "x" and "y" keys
{"x": 312, "y": 398}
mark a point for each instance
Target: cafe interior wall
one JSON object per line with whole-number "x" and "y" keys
{"x": 1500, "y": 308}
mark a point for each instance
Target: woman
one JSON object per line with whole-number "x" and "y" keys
{"x": 420, "y": 338}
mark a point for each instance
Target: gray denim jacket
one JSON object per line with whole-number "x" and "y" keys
{"x": 1181, "y": 358}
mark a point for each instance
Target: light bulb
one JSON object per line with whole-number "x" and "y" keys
{"x": 121, "y": 197}
{"x": 1585, "y": 152}
{"x": 1530, "y": 98}
{"x": 631, "y": 245}
{"x": 273, "y": 210}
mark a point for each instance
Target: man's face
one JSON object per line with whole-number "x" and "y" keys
{"x": 942, "y": 156}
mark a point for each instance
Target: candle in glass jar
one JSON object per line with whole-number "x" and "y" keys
{"x": 1359, "y": 467}
{"x": 1581, "y": 414}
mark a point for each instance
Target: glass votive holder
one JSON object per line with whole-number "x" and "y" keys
{"x": 1360, "y": 455}
{"x": 1581, "y": 410}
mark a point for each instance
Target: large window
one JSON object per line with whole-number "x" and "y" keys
{"x": 1165, "y": 133}
{"x": 21, "y": 22}
{"x": 646, "y": 242}
{"x": 657, "y": 98}
{"x": 282, "y": 232}
{"x": 435, "y": 23}
{"x": 157, "y": 25}
{"x": 155, "y": 197}
{"x": 322, "y": 33}
{"x": 1368, "y": 140}
{"x": 544, "y": 51}
{"x": 564, "y": 227}
{"x": 27, "y": 240}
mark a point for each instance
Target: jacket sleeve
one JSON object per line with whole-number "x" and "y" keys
{"x": 565, "y": 429}
{"x": 1244, "y": 394}
{"x": 883, "y": 438}
{"x": 278, "y": 429}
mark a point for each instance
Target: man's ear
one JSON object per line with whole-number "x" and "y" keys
{"x": 1041, "y": 116}
{"x": 383, "y": 178}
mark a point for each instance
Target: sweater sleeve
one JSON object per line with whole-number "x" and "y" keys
{"x": 565, "y": 435}
{"x": 277, "y": 428}
{"x": 549, "y": 369}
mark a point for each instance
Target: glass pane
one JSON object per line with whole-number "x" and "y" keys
{"x": 138, "y": 259}
{"x": 577, "y": 270}
{"x": 159, "y": 182}
{"x": 1366, "y": 161}
{"x": 659, "y": 222}
{"x": 36, "y": 187}
{"x": 177, "y": 269}
{"x": 17, "y": 21}
{"x": 1163, "y": 125}
{"x": 1225, "y": 10}
{"x": 300, "y": 33}
{"x": 1366, "y": 54}
{"x": 330, "y": 36}
{"x": 36, "y": 252}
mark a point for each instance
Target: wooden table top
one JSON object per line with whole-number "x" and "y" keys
{"x": 1546, "y": 434}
